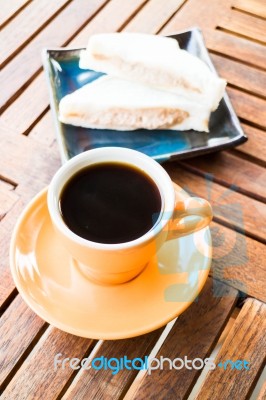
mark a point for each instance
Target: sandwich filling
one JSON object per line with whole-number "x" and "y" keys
{"x": 112, "y": 103}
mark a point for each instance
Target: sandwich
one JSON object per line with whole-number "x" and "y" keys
{"x": 114, "y": 103}
{"x": 155, "y": 61}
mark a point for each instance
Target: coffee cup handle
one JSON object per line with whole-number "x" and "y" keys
{"x": 189, "y": 216}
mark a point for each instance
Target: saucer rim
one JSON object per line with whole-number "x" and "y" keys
{"x": 47, "y": 317}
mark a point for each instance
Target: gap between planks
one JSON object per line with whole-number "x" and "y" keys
{"x": 239, "y": 35}
{"x": 15, "y": 13}
{"x": 248, "y": 330}
{"x": 243, "y": 90}
{"x": 241, "y": 231}
{"x": 130, "y": 17}
{"x": 11, "y": 297}
{"x": 248, "y": 13}
{"x": 23, "y": 357}
{"x": 31, "y": 36}
{"x": 256, "y": 7}
{"x": 89, "y": 354}
{"x": 221, "y": 181}
{"x": 8, "y": 181}
{"x": 172, "y": 16}
{"x": 214, "y": 353}
{"x": 252, "y": 124}
{"x": 239, "y": 60}
{"x": 245, "y": 156}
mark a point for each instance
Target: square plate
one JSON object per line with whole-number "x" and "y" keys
{"x": 64, "y": 76}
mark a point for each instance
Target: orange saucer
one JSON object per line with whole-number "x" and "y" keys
{"x": 52, "y": 285}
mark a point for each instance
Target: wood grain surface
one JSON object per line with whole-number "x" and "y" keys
{"x": 245, "y": 341}
{"x": 253, "y": 7}
{"x": 20, "y": 329}
{"x": 251, "y": 214}
{"x": 8, "y": 198}
{"x": 245, "y": 25}
{"x": 160, "y": 11}
{"x": 239, "y": 75}
{"x": 27, "y": 24}
{"x": 262, "y": 394}
{"x": 248, "y": 107}
{"x": 256, "y": 139}
{"x": 233, "y": 181}
{"x": 239, "y": 261}
{"x": 9, "y": 9}
{"x": 38, "y": 375}
{"x": 99, "y": 384}
{"x": 233, "y": 172}
{"x": 120, "y": 12}
{"x": 201, "y": 323}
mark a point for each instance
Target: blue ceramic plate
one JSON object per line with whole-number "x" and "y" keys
{"x": 65, "y": 76}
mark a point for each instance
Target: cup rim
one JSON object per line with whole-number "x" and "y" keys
{"x": 86, "y": 157}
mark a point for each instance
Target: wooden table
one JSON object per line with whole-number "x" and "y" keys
{"x": 234, "y": 181}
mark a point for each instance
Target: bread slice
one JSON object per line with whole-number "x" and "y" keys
{"x": 155, "y": 61}
{"x": 134, "y": 47}
{"x": 112, "y": 103}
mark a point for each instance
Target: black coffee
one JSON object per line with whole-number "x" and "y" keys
{"x": 110, "y": 203}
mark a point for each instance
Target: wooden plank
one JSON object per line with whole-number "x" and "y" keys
{"x": 194, "y": 335}
{"x": 262, "y": 394}
{"x": 19, "y": 327}
{"x": 8, "y": 198}
{"x": 248, "y": 107}
{"x": 28, "y": 106}
{"x": 239, "y": 261}
{"x": 236, "y": 48}
{"x": 102, "y": 384}
{"x": 113, "y": 17}
{"x": 246, "y": 25}
{"x": 153, "y": 16}
{"x": 38, "y": 375}
{"x": 6, "y": 185}
{"x": 203, "y": 14}
{"x": 256, "y": 7}
{"x": 20, "y": 30}
{"x": 44, "y": 130}
{"x": 229, "y": 206}
{"x": 27, "y": 63}
{"x": 10, "y": 8}
{"x": 243, "y": 76}
{"x": 35, "y": 160}
{"x": 256, "y": 140}
{"x": 245, "y": 341}
{"x": 207, "y": 15}
{"x": 226, "y": 168}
